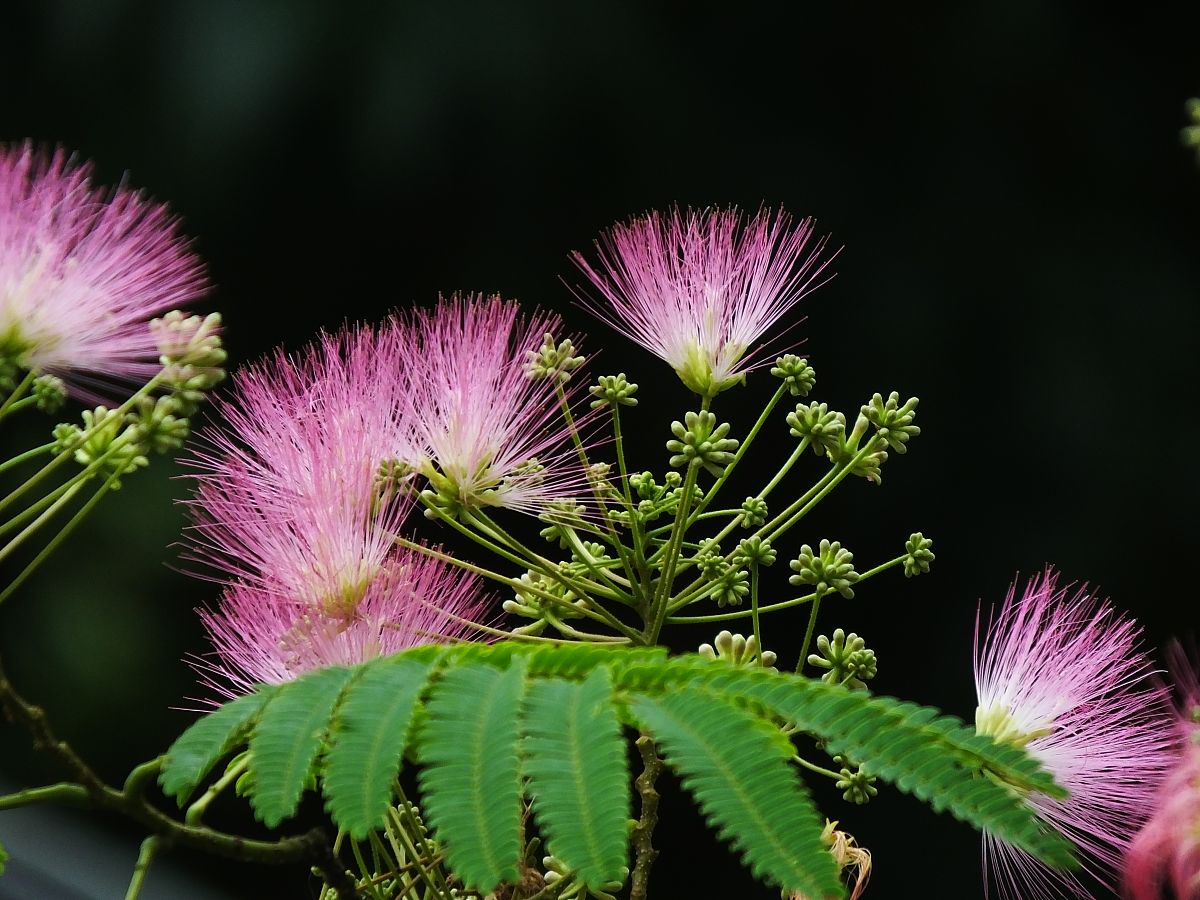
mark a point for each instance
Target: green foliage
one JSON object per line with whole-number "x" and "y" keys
{"x": 370, "y": 732}
{"x": 488, "y": 716}
{"x": 287, "y": 739}
{"x": 210, "y": 738}
{"x": 736, "y": 765}
{"x": 472, "y": 777}
{"x": 579, "y": 775}
{"x": 3, "y": 858}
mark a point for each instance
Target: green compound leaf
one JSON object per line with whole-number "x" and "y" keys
{"x": 367, "y": 741}
{"x": 933, "y": 757}
{"x": 737, "y": 767}
{"x": 579, "y": 774}
{"x": 286, "y": 741}
{"x": 472, "y": 778}
{"x": 197, "y": 750}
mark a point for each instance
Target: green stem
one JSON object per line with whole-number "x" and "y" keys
{"x": 808, "y": 632}
{"x": 813, "y": 767}
{"x": 196, "y": 811}
{"x": 61, "y": 536}
{"x": 27, "y": 455}
{"x": 737, "y": 458}
{"x": 662, "y": 596}
{"x": 149, "y": 848}
{"x": 83, "y": 436}
{"x": 841, "y": 474}
{"x": 599, "y": 613}
{"x": 787, "y": 467}
{"x": 786, "y": 604}
{"x": 18, "y": 392}
{"x": 37, "y": 523}
{"x": 64, "y": 792}
{"x": 754, "y": 609}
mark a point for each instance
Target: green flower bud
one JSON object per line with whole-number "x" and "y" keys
{"x": 49, "y": 393}
{"x": 754, "y": 550}
{"x": 796, "y": 373}
{"x": 710, "y": 561}
{"x": 701, "y": 442}
{"x": 730, "y": 588}
{"x": 552, "y": 360}
{"x": 829, "y": 569}
{"x": 893, "y": 422}
{"x": 613, "y": 389}
{"x": 816, "y": 422}
{"x": 105, "y": 438}
{"x": 846, "y": 657}
{"x": 918, "y": 555}
{"x": 857, "y": 786}
{"x": 561, "y": 516}
{"x": 754, "y": 512}
{"x": 160, "y": 428}
{"x": 737, "y": 651}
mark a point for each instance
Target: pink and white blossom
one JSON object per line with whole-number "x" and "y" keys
{"x": 480, "y": 427}
{"x": 297, "y": 509}
{"x": 1060, "y": 673}
{"x": 697, "y": 288}
{"x": 1167, "y": 849}
{"x": 83, "y": 270}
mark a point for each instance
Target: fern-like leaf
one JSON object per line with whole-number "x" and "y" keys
{"x": 737, "y": 767}
{"x": 206, "y": 740}
{"x": 286, "y": 741}
{"x": 907, "y": 745}
{"x": 579, "y": 774}
{"x": 367, "y": 741}
{"x": 472, "y": 779}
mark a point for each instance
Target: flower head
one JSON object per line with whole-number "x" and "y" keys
{"x": 82, "y": 272}
{"x": 483, "y": 425}
{"x": 1059, "y": 673}
{"x": 697, "y": 288}
{"x": 1167, "y": 849}
{"x": 298, "y": 507}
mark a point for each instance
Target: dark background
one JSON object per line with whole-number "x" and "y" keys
{"x": 1019, "y": 222}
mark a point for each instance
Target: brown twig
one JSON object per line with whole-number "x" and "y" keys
{"x": 88, "y": 789}
{"x": 652, "y": 767}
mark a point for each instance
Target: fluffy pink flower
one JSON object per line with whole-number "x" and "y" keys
{"x": 1167, "y": 849}
{"x": 697, "y": 288}
{"x": 1059, "y": 673}
{"x": 480, "y": 427}
{"x": 83, "y": 270}
{"x": 298, "y": 507}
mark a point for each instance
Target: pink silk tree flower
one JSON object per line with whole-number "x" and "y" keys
{"x": 481, "y": 424}
{"x": 82, "y": 272}
{"x": 1167, "y": 849}
{"x": 697, "y": 288}
{"x": 297, "y": 509}
{"x": 1059, "y": 673}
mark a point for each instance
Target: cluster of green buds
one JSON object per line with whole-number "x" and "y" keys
{"x": 737, "y": 650}
{"x": 798, "y": 376}
{"x": 654, "y": 499}
{"x": 613, "y": 390}
{"x": 846, "y": 659}
{"x": 917, "y": 554}
{"x": 542, "y": 599}
{"x": 553, "y": 360}
{"x": 825, "y": 430}
{"x": 754, "y": 512}
{"x": 830, "y": 568}
{"x": 192, "y": 357}
{"x": 856, "y": 784}
{"x": 561, "y": 517}
{"x": 700, "y": 441}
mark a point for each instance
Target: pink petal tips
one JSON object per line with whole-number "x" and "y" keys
{"x": 1167, "y": 849}
{"x": 298, "y": 506}
{"x": 482, "y": 427}
{"x": 82, "y": 271}
{"x": 1059, "y": 673}
{"x": 697, "y": 288}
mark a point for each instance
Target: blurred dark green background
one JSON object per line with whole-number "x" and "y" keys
{"x": 1020, "y": 225}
